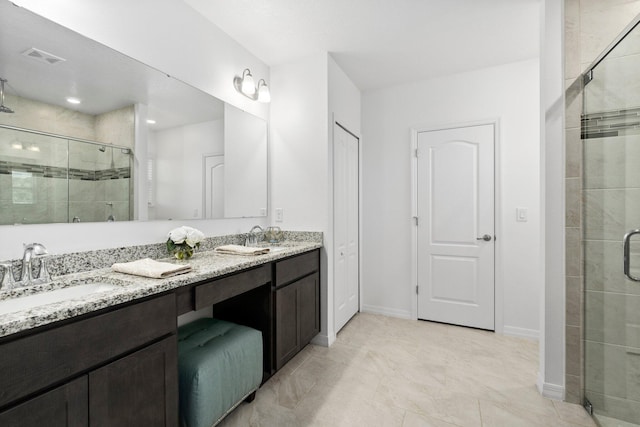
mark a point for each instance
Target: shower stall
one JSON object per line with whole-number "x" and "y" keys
{"x": 47, "y": 178}
{"x": 611, "y": 233}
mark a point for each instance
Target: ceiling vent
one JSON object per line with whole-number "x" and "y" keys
{"x": 42, "y": 56}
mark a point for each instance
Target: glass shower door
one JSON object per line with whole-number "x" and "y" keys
{"x": 611, "y": 208}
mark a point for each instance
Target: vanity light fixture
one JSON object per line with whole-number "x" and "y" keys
{"x": 246, "y": 86}
{"x": 17, "y": 145}
{"x": 72, "y": 100}
{"x": 263, "y": 92}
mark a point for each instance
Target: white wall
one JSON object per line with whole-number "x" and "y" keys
{"x": 179, "y": 195}
{"x": 299, "y": 143}
{"x": 299, "y": 154}
{"x": 344, "y": 107}
{"x": 172, "y": 37}
{"x": 552, "y": 301}
{"x": 509, "y": 93}
{"x": 310, "y": 92}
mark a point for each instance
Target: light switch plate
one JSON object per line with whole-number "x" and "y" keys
{"x": 279, "y": 214}
{"x": 522, "y": 214}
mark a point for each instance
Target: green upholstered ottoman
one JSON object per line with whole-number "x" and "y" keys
{"x": 219, "y": 365}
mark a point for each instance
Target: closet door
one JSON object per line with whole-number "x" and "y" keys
{"x": 345, "y": 225}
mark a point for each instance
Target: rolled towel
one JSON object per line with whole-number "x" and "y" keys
{"x": 240, "y": 250}
{"x": 150, "y": 268}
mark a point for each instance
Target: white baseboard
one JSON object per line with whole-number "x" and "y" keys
{"x": 521, "y": 332}
{"x": 322, "y": 340}
{"x": 550, "y": 391}
{"x": 385, "y": 311}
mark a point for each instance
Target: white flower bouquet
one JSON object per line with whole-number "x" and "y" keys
{"x": 183, "y": 241}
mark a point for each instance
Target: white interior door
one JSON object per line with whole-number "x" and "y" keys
{"x": 346, "y": 224}
{"x": 455, "y": 197}
{"x": 214, "y": 186}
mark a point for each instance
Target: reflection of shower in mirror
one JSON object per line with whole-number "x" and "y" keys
{"x": 3, "y": 108}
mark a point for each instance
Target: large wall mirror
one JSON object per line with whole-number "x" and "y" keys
{"x": 97, "y": 136}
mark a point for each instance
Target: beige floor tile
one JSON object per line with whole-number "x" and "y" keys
{"x": 335, "y": 407}
{"x": 575, "y": 414}
{"x": 412, "y": 419}
{"x": 505, "y": 415}
{"x": 384, "y": 371}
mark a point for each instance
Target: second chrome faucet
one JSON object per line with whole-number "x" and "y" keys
{"x": 31, "y": 251}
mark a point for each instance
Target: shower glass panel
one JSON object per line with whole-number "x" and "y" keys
{"x": 611, "y": 207}
{"x": 99, "y": 182}
{"x": 47, "y": 179}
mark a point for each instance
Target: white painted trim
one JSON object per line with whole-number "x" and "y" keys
{"x": 514, "y": 331}
{"x": 497, "y": 203}
{"x": 414, "y": 233}
{"x": 323, "y": 340}
{"x": 336, "y": 122}
{"x": 499, "y": 230}
{"x": 550, "y": 391}
{"x": 385, "y": 311}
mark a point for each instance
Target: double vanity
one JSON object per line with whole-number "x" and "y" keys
{"x": 108, "y": 356}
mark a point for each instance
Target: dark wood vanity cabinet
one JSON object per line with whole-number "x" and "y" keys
{"x": 63, "y": 406}
{"x": 118, "y": 367}
{"x": 297, "y": 305}
{"x": 136, "y": 390}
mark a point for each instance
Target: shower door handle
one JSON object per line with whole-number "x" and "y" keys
{"x": 627, "y": 249}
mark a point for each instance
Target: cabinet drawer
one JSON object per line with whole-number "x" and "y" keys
{"x": 36, "y": 361}
{"x": 295, "y": 267}
{"x": 66, "y": 405}
{"x": 215, "y": 291}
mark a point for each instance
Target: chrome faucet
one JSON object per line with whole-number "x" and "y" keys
{"x": 252, "y": 237}
{"x": 31, "y": 251}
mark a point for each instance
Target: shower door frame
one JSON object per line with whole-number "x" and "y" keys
{"x": 586, "y": 78}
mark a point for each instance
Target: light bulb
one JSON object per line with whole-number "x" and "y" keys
{"x": 263, "y": 92}
{"x": 248, "y": 86}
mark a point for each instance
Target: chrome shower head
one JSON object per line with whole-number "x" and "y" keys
{"x": 3, "y": 108}
{"x": 103, "y": 148}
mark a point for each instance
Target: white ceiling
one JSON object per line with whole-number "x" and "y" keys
{"x": 381, "y": 43}
{"x": 105, "y": 80}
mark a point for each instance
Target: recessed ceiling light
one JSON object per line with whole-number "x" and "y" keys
{"x": 151, "y": 121}
{"x": 71, "y": 100}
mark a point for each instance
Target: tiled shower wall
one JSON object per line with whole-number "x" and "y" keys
{"x": 590, "y": 26}
{"x": 99, "y": 184}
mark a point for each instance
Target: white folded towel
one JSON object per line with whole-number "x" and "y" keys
{"x": 240, "y": 250}
{"x": 150, "y": 268}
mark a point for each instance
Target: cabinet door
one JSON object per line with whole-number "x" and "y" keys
{"x": 287, "y": 332}
{"x": 65, "y": 406}
{"x": 308, "y": 308}
{"x": 138, "y": 390}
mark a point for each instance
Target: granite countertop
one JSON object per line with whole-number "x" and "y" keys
{"x": 206, "y": 265}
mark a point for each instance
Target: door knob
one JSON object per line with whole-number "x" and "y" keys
{"x": 486, "y": 238}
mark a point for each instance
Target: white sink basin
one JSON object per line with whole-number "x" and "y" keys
{"x": 49, "y": 297}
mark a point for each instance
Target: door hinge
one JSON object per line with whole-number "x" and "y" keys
{"x": 415, "y": 153}
{"x": 417, "y": 291}
{"x": 416, "y": 219}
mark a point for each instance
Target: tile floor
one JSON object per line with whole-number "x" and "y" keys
{"x": 383, "y": 371}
